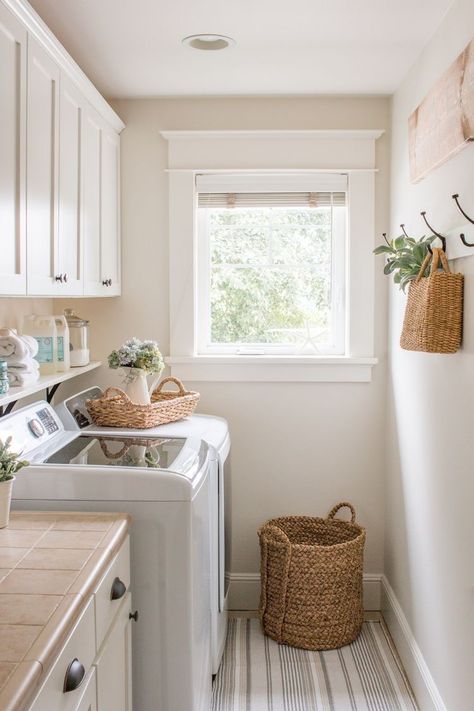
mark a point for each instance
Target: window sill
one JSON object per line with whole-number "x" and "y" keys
{"x": 271, "y": 369}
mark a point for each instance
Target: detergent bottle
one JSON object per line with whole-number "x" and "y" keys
{"x": 63, "y": 348}
{"x": 43, "y": 329}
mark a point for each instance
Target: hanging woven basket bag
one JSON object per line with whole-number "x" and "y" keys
{"x": 434, "y": 311}
{"x": 311, "y": 580}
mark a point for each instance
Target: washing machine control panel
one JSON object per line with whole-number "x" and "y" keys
{"x": 30, "y": 427}
{"x": 36, "y": 428}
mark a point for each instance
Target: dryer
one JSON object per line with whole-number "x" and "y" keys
{"x": 164, "y": 483}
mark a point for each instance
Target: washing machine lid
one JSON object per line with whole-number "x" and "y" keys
{"x": 177, "y": 455}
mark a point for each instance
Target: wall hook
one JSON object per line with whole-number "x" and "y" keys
{"x": 404, "y": 231}
{"x": 441, "y": 237}
{"x": 456, "y": 200}
{"x": 463, "y": 238}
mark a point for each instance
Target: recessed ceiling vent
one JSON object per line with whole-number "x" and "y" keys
{"x": 208, "y": 42}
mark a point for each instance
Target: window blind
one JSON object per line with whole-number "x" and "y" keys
{"x": 273, "y": 199}
{"x": 272, "y": 190}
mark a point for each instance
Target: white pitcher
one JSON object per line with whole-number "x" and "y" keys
{"x": 136, "y": 385}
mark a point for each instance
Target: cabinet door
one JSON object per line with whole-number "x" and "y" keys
{"x": 91, "y": 218}
{"x": 114, "y": 664}
{"x": 42, "y": 171}
{"x": 88, "y": 701}
{"x": 13, "y": 40}
{"x": 70, "y": 204}
{"x": 110, "y": 209}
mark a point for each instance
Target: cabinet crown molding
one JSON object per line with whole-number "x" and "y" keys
{"x": 41, "y": 32}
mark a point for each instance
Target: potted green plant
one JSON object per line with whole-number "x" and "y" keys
{"x": 405, "y": 256}
{"x": 10, "y": 464}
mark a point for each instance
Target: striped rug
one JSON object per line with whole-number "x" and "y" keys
{"x": 257, "y": 674}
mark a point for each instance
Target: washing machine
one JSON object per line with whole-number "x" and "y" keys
{"x": 163, "y": 482}
{"x": 215, "y": 432}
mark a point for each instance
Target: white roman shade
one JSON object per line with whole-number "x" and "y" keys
{"x": 285, "y": 190}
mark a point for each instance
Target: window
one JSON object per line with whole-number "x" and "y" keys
{"x": 271, "y": 264}
{"x": 219, "y": 168}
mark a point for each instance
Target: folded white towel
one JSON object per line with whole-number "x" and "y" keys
{"x": 20, "y": 378}
{"x": 11, "y": 344}
{"x": 28, "y": 365}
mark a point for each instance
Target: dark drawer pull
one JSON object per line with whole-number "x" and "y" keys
{"x": 133, "y": 615}
{"x": 118, "y": 589}
{"x": 74, "y": 676}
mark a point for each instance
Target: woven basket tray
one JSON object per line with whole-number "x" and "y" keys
{"x": 115, "y": 409}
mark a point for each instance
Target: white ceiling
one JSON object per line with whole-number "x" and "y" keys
{"x": 132, "y": 48}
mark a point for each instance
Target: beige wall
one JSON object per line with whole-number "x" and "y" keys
{"x": 12, "y": 310}
{"x": 297, "y": 448}
{"x": 430, "y": 491}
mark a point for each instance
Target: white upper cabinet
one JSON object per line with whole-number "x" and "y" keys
{"x": 91, "y": 223}
{"x": 42, "y": 171}
{"x": 69, "y": 261}
{"x": 13, "y": 39}
{"x": 110, "y": 213}
{"x": 59, "y": 169}
{"x": 101, "y": 156}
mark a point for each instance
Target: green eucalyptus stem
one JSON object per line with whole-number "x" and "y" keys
{"x": 405, "y": 256}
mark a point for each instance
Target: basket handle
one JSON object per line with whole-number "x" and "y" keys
{"x": 276, "y": 533}
{"x": 343, "y": 504}
{"x": 281, "y": 537}
{"x": 171, "y": 379}
{"x": 438, "y": 254}
{"x": 116, "y": 392}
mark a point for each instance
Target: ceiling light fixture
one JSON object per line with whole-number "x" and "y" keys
{"x": 208, "y": 42}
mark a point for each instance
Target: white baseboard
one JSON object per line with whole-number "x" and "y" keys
{"x": 419, "y": 675}
{"x": 244, "y": 591}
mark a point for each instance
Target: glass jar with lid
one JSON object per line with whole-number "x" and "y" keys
{"x": 78, "y": 339}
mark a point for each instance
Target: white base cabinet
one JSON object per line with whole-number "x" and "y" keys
{"x": 114, "y": 664}
{"x": 59, "y": 170}
{"x": 93, "y": 670}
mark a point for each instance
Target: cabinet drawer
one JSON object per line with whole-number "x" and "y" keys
{"x": 80, "y": 646}
{"x": 111, "y": 591}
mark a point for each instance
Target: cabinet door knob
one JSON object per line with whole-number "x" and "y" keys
{"x": 133, "y": 615}
{"x": 65, "y": 278}
{"x": 74, "y": 676}
{"x": 105, "y": 282}
{"x": 59, "y": 277}
{"x": 110, "y": 282}
{"x": 118, "y": 589}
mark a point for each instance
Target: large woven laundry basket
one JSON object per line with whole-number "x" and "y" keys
{"x": 311, "y": 578}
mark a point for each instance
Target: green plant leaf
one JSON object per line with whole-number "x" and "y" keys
{"x": 383, "y": 249}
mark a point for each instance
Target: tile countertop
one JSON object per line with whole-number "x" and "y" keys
{"x": 49, "y": 564}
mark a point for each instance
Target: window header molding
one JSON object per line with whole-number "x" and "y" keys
{"x": 360, "y": 134}
{"x": 269, "y": 151}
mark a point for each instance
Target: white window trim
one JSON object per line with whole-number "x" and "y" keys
{"x": 356, "y": 157}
